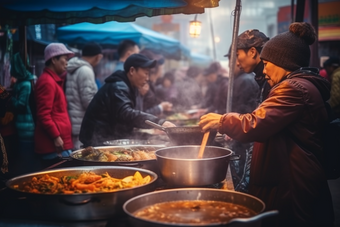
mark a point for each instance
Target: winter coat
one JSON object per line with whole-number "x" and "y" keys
{"x": 245, "y": 94}
{"x": 283, "y": 175}
{"x": 52, "y": 115}
{"x": 23, "y": 116}
{"x": 22, "y": 89}
{"x": 80, "y": 89}
{"x": 262, "y": 82}
{"x": 211, "y": 93}
{"x": 334, "y": 101}
{"x": 112, "y": 114}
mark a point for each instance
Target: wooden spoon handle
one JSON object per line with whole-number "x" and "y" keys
{"x": 204, "y": 142}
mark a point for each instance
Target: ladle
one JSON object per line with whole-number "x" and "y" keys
{"x": 157, "y": 126}
{"x": 203, "y": 144}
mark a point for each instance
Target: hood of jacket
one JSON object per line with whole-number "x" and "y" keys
{"x": 18, "y": 69}
{"x": 311, "y": 74}
{"x": 75, "y": 63}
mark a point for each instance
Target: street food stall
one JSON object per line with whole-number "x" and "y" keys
{"x": 21, "y": 205}
{"x": 105, "y": 185}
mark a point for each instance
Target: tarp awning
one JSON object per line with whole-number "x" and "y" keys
{"x": 24, "y": 12}
{"x": 114, "y": 32}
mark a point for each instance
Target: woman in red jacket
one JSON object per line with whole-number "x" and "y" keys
{"x": 53, "y": 127}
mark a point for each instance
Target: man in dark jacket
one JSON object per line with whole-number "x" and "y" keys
{"x": 249, "y": 47}
{"x": 111, "y": 113}
{"x": 245, "y": 94}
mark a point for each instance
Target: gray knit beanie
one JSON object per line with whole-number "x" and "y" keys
{"x": 290, "y": 50}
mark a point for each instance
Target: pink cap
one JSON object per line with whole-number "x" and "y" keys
{"x": 55, "y": 49}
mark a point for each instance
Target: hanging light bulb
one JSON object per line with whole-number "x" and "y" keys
{"x": 195, "y": 27}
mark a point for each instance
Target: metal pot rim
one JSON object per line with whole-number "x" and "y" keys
{"x": 185, "y": 189}
{"x": 83, "y": 168}
{"x": 109, "y": 147}
{"x": 192, "y": 159}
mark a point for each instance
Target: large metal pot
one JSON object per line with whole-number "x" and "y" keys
{"x": 87, "y": 206}
{"x": 184, "y": 135}
{"x": 141, "y": 201}
{"x": 144, "y": 164}
{"x": 180, "y": 166}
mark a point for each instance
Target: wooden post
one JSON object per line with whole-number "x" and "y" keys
{"x": 300, "y": 10}
{"x": 314, "y": 16}
{"x": 233, "y": 55}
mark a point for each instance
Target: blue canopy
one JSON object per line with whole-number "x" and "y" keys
{"x": 200, "y": 59}
{"x": 29, "y": 12}
{"x": 114, "y": 32}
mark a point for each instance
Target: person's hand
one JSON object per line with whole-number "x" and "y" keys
{"x": 167, "y": 106}
{"x": 59, "y": 144}
{"x": 210, "y": 121}
{"x": 168, "y": 124}
{"x": 227, "y": 138}
{"x": 13, "y": 81}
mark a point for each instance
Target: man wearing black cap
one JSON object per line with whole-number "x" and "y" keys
{"x": 81, "y": 86}
{"x": 249, "y": 47}
{"x": 111, "y": 113}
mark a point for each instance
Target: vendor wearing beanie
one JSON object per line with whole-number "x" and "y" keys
{"x": 81, "y": 86}
{"x": 286, "y": 171}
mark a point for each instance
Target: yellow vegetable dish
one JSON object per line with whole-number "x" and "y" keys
{"x": 87, "y": 182}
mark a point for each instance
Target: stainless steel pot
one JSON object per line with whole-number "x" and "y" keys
{"x": 87, "y": 206}
{"x": 141, "y": 201}
{"x": 184, "y": 135}
{"x": 180, "y": 166}
{"x": 144, "y": 164}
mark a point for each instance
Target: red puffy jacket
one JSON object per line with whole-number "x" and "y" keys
{"x": 52, "y": 116}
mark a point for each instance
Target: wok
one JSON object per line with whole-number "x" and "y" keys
{"x": 87, "y": 206}
{"x": 184, "y": 135}
{"x": 144, "y": 164}
{"x": 180, "y": 166}
{"x": 141, "y": 201}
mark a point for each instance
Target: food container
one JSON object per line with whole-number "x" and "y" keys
{"x": 192, "y": 194}
{"x": 144, "y": 164}
{"x": 184, "y": 135}
{"x": 179, "y": 165}
{"x": 85, "y": 206}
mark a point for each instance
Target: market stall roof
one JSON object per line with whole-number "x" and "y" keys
{"x": 24, "y": 12}
{"x": 114, "y": 32}
{"x": 200, "y": 59}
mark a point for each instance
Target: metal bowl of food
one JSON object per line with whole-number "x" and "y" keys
{"x": 195, "y": 207}
{"x": 139, "y": 156}
{"x": 81, "y": 193}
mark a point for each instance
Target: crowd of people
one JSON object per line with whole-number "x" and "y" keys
{"x": 277, "y": 100}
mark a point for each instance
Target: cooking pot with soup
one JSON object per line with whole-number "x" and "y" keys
{"x": 196, "y": 207}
